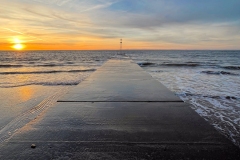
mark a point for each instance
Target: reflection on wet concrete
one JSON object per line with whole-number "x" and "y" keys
{"x": 99, "y": 127}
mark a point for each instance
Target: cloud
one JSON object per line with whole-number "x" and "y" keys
{"x": 183, "y": 10}
{"x": 176, "y": 22}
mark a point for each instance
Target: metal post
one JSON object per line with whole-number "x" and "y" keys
{"x": 120, "y": 46}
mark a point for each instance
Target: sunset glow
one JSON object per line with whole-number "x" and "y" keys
{"x": 18, "y": 46}
{"x": 94, "y": 25}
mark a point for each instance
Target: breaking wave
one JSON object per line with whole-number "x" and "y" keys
{"x": 150, "y": 64}
{"x": 209, "y": 96}
{"x": 66, "y": 83}
{"x": 232, "y": 67}
{"x": 10, "y": 66}
{"x": 181, "y": 64}
{"x": 219, "y": 73}
{"x": 48, "y": 72}
{"x": 60, "y": 82}
{"x": 157, "y": 71}
{"x": 49, "y": 65}
{"x": 144, "y": 64}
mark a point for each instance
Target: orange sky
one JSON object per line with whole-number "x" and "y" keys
{"x": 29, "y": 42}
{"x": 99, "y": 25}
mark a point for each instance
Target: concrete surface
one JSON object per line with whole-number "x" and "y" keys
{"x": 118, "y": 81}
{"x": 152, "y": 125}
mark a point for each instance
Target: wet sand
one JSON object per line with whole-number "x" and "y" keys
{"x": 20, "y": 105}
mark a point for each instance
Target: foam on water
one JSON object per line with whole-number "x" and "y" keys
{"x": 210, "y": 80}
{"x": 49, "y": 71}
{"x": 215, "y": 98}
{"x": 72, "y": 78}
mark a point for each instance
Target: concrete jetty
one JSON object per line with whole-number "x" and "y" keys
{"x": 119, "y": 112}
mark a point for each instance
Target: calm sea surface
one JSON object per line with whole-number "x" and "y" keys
{"x": 210, "y": 80}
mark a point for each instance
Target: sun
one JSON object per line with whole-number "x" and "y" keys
{"x": 17, "y": 43}
{"x": 18, "y": 46}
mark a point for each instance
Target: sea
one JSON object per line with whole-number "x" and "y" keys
{"x": 32, "y": 81}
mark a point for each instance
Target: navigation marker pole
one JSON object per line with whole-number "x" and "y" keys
{"x": 120, "y": 46}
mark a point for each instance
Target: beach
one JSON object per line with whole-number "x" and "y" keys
{"x": 124, "y": 109}
{"x": 30, "y": 81}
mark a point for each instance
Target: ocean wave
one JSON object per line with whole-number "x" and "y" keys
{"x": 10, "y": 65}
{"x": 43, "y": 83}
{"x": 219, "y": 73}
{"x": 209, "y": 96}
{"x": 48, "y": 72}
{"x": 151, "y": 64}
{"x": 70, "y": 62}
{"x": 48, "y": 65}
{"x": 231, "y": 67}
{"x": 32, "y": 64}
{"x": 144, "y": 64}
{"x": 181, "y": 64}
{"x": 62, "y": 82}
{"x": 84, "y": 70}
{"x": 193, "y": 62}
{"x": 157, "y": 71}
{"x": 58, "y": 83}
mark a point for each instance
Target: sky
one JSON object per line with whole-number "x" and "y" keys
{"x": 100, "y": 24}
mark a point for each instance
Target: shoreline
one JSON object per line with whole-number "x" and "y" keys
{"x": 20, "y": 105}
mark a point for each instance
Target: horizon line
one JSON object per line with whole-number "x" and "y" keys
{"x": 125, "y": 50}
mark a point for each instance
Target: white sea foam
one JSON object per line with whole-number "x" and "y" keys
{"x": 212, "y": 85}
{"x": 216, "y": 99}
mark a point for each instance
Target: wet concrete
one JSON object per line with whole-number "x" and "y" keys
{"x": 118, "y": 81}
{"x": 128, "y": 125}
